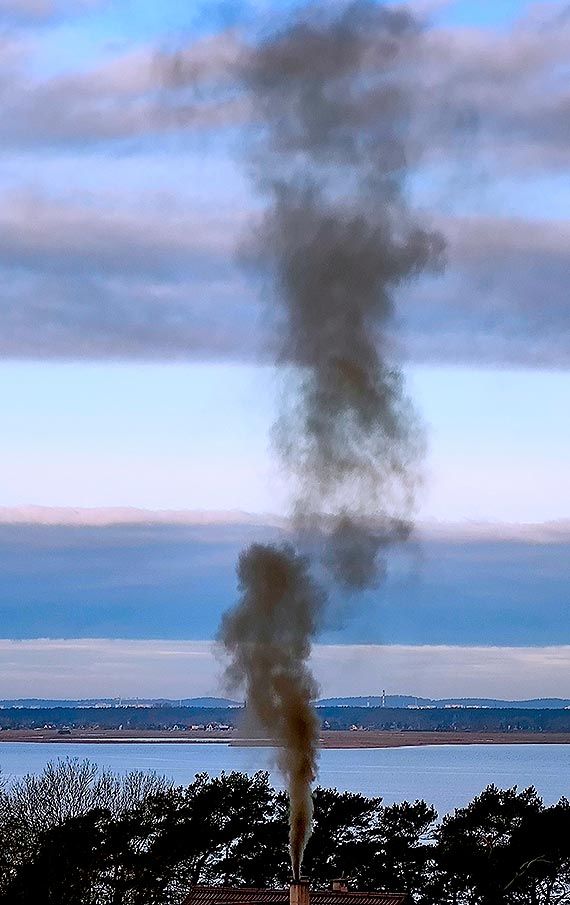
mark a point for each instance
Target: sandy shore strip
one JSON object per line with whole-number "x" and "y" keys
{"x": 329, "y": 739}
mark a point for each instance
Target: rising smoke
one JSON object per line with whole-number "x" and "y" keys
{"x": 268, "y": 635}
{"x": 331, "y": 101}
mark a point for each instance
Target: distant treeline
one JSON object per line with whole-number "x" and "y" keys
{"x": 116, "y": 717}
{"x": 43, "y": 703}
{"x": 447, "y": 720}
{"x": 439, "y": 720}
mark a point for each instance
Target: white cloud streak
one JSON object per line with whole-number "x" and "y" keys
{"x": 87, "y": 278}
{"x": 123, "y": 98}
{"x": 533, "y": 533}
{"x": 107, "y": 668}
{"x": 117, "y": 515}
{"x": 39, "y": 12}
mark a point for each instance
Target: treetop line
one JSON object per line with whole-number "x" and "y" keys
{"x": 76, "y": 834}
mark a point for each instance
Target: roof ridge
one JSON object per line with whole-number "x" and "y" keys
{"x": 250, "y": 895}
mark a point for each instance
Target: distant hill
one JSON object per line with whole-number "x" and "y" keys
{"x": 397, "y": 700}
{"x": 391, "y": 701}
{"x": 209, "y": 702}
{"x": 39, "y": 703}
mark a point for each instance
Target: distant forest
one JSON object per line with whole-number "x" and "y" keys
{"x": 439, "y": 720}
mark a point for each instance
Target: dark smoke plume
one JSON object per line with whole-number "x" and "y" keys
{"x": 331, "y": 100}
{"x": 268, "y": 635}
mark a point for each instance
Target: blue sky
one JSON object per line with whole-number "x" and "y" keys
{"x": 184, "y": 436}
{"x": 133, "y": 349}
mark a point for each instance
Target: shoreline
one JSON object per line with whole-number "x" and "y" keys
{"x": 338, "y": 739}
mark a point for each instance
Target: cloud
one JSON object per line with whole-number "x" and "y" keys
{"x": 556, "y": 532}
{"x": 27, "y": 7}
{"x": 103, "y": 277}
{"x": 89, "y": 276}
{"x": 112, "y": 667}
{"x": 488, "y": 100}
{"x": 504, "y": 299}
{"x": 89, "y": 280}
{"x": 499, "y": 95}
{"x": 104, "y": 517}
{"x": 70, "y": 318}
{"x": 107, "y": 668}
{"x": 65, "y": 237}
{"x": 440, "y": 671}
{"x": 146, "y": 575}
{"x": 34, "y": 12}
{"x": 138, "y": 93}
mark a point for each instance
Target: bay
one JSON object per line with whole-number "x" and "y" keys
{"x": 447, "y": 776}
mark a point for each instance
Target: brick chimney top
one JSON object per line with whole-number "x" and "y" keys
{"x": 299, "y": 892}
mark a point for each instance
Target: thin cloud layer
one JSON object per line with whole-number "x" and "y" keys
{"x": 500, "y": 98}
{"x": 96, "y": 275}
{"x": 553, "y": 532}
{"x": 503, "y": 94}
{"x": 123, "y": 98}
{"x": 116, "y": 515}
{"x": 144, "y": 575}
{"x": 86, "y": 278}
{"x": 104, "y": 668}
{"x": 89, "y": 280}
{"x": 65, "y": 237}
{"x": 34, "y": 12}
{"x": 504, "y": 299}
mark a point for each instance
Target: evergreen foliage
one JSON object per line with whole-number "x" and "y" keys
{"x": 76, "y": 835}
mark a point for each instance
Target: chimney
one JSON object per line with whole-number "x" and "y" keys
{"x": 340, "y": 885}
{"x": 299, "y": 892}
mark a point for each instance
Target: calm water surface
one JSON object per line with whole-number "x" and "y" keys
{"x": 446, "y": 776}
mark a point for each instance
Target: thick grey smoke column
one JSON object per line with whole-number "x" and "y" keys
{"x": 331, "y": 102}
{"x": 268, "y": 635}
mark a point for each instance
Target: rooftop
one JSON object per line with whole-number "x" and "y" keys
{"x": 222, "y": 895}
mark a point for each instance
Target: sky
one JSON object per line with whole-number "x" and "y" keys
{"x": 135, "y": 368}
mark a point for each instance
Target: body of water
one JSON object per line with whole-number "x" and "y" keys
{"x": 447, "y": 776}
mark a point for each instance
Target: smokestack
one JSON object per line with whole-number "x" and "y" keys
{"x": 299, "y": 892}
